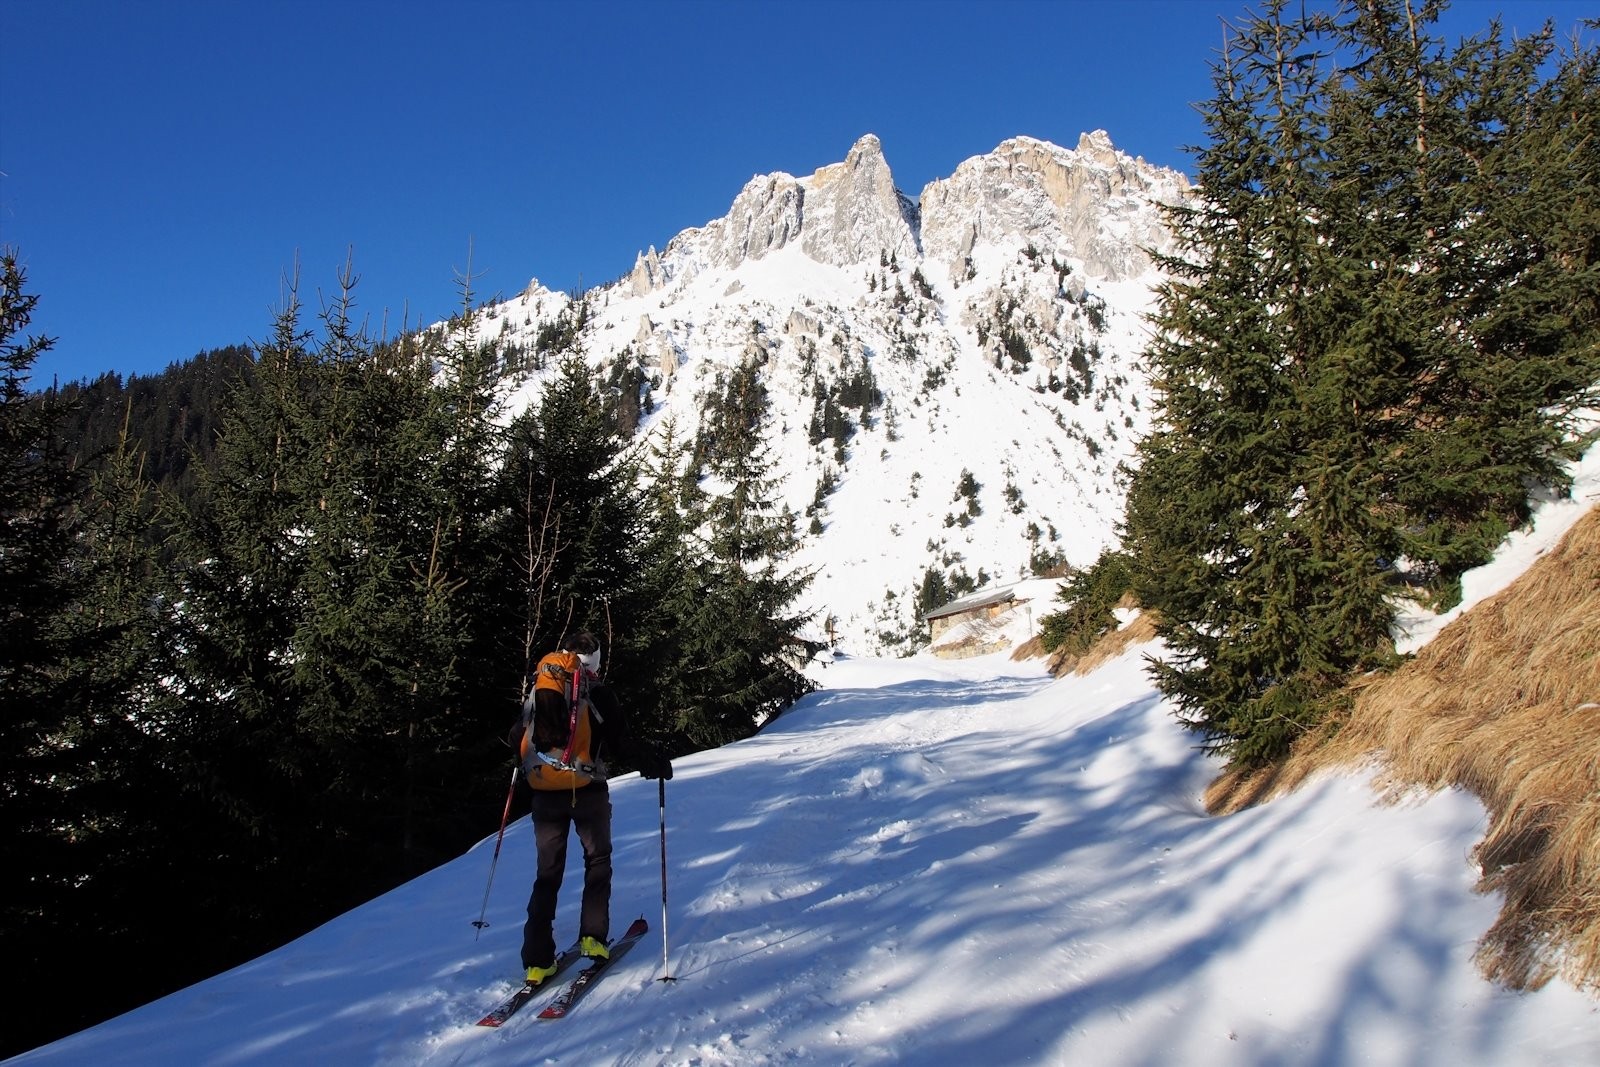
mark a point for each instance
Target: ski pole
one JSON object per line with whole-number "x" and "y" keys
{"x": 504, "y": 815}
{"x": 661, "y": 792}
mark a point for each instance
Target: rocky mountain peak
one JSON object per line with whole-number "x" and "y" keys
{"x": 1093, "y": 205}
{"x": 960, "y": 373}
{"x": 842, "y": 214}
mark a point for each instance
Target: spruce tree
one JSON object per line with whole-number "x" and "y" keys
{"x": 569, "y": 487}
{"x": 90, "y": 800}
{"x": 675, "y": 574}
{"x": 933, "y": 593}
{"x": 231, "y": 709}
{"x": 456, "y": 656}
{"x": 326, "y": 698}
{"x": 129, "y": 793}
{"x": 1088, "y": 598}
{"x": 1217, "y": 514}
{"x": 392, "y": 512}
{"x": 1471, "y": 210}
{"x": 744, "y": 631}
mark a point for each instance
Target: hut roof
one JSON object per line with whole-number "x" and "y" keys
{"x": 973, "y": 601}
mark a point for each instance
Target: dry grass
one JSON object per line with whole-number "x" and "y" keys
{"x": 1505, "y": 702}
{"x": 1032, "y": 648}
{"x": 1140, "y": 630}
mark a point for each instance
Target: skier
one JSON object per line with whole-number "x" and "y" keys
{"x": 571, "y": 721}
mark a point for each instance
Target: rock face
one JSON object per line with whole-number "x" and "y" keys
{"x": 854, "y": 213}
{"x": 646, "y": 272}
{"x": 842, "y": 214}
{"x": 1094, "y": 205}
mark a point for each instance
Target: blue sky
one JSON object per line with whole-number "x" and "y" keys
{"x": 164, "y": 164}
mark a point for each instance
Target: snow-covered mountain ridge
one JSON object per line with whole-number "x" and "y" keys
{"x": 998, "y": 316}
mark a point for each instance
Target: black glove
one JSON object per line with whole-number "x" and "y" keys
{"x": 655, "y": 765}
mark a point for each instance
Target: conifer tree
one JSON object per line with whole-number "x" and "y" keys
{"x": 392, "y": 517}
{"x": 89, "y": 797}
{"x": 1471, "y": 198}
{"x": 570, "y": 487}
{"x": 120, "y": 621}
{"x": 129, "y": 793}
{"x": 933, "y": 593}
{"x": 39, "y": 590}
{"x": 675, "y": 574}
{"x": 231, "y": 709}
{"x": 367, "y": 655}
{"x": 1089, "y": 599}
{"x": 744, "y": 631}
{"x": 325, "y": 615}
{"x": 454, "y": 657}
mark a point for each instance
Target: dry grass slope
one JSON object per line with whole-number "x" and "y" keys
{"x": 1505, "y": 702}
{"x": 1141, "y": 629}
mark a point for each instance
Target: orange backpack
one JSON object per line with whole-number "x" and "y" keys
{"x": 572, "y": 765}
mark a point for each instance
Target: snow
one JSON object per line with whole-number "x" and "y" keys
{"x": 935, "y": 862}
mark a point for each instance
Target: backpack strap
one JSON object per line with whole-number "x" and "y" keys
{"x": 529, "y": 747}
{"x": 577, "y": 697}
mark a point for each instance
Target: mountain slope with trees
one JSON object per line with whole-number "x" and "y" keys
{"x": 291, "y": 619}
{"x": 281, "y": 682}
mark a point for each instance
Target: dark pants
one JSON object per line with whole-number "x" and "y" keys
{"x": 589, "y": 809}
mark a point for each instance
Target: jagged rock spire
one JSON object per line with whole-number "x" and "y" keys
{"x": 854, "y": 214}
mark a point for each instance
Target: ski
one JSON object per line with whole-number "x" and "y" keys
{"x": 591, "y": 974}
{"x": 527, "y": 991}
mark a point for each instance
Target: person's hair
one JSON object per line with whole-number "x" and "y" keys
{"x": 583, "y": 643}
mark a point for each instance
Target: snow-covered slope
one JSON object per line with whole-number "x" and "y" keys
{"x": 932, "y": 862}
{"x": 998, "y": 313}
